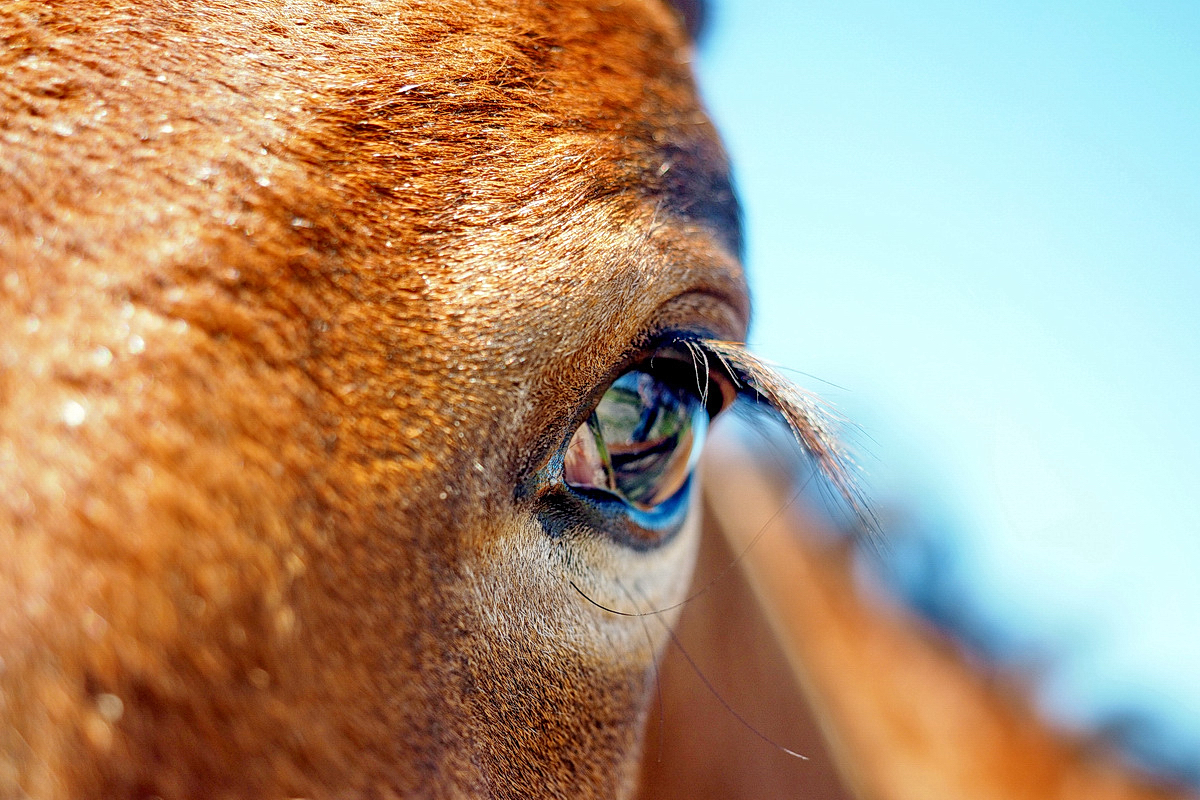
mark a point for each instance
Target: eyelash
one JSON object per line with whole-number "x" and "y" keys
{"x": 811, "y": 422}
{"x": 738, "y": 374}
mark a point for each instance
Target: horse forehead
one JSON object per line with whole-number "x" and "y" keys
{"x": 409, "y": 129}
{"x": 599, "y": 103}
{"x": 559, "y": 156}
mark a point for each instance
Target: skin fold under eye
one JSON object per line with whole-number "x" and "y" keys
{"x": 641, "y": 442}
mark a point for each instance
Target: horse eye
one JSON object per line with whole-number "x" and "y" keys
{"x": 642, "y": 441}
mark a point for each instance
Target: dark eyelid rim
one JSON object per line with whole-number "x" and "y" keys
{"x": 658, "y": 347}
{"x": 569, "y": 512}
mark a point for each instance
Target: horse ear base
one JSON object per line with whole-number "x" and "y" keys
{"x": 694, "y": 14}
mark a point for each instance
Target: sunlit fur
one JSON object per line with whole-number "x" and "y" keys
{"x": 298, "y": 303}
{"x": 296, "y": 300}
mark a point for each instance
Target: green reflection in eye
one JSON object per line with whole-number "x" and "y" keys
{"x": 640, "y": 443}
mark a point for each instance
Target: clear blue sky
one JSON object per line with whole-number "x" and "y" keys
{"x": 982, "y": 221}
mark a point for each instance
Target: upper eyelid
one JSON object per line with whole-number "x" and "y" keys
{"x": 656, "y": 347}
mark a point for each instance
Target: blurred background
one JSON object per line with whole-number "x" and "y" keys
{"x": 974, "y": 228}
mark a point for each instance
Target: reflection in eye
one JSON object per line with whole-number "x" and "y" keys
{"x": 640, "y": 443}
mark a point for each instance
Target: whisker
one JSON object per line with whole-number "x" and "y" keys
{"x": 699, "y": 674}
{"x": 725, "y": 703}
{"x": 720, "y": 576}
{"x": 662, "y": 709}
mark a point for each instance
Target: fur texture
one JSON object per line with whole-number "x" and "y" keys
{"x": 294, "y": 298}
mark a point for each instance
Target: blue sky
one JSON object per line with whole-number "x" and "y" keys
{"x": 981, "y": 223}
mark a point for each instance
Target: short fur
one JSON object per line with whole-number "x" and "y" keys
{"x": 298, "y": 302}
{"x": 294, "y": 297}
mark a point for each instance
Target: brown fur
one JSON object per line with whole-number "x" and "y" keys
{"x": 296, "y": 302}
{"x": 293, "y": 298}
